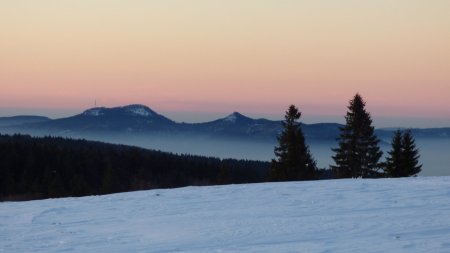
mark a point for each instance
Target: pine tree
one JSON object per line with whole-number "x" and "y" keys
{"x": 294, "y": 160}
{"x": 403, "y": 160}
{"x": 411, "y": 155}
{"x": 358, "y": 153}
{"x": 394, "y": 162}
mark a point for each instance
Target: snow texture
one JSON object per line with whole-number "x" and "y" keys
{"x": 385, "y": 215}
{"x": 94, "y": 112}
{"x": 231, "y": 118}
{"x": 139, "y": 111}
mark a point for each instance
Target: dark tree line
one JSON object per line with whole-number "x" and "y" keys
{"x": 33, "y": 168}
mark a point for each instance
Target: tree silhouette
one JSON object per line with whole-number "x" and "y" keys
{"x": 410, "y": 154}
{"x": 358, "y": 153}
{"x": 403, "y": 160}
{"x": 294, "y": 160}
{"x": 394, "y": 162}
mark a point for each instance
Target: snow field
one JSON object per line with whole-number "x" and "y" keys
{"x": 352, "y": 215}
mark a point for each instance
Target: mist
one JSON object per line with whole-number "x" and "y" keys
{"x": 434, "y": 153}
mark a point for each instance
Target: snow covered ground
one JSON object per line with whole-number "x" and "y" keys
{"x": 385, "y": 215}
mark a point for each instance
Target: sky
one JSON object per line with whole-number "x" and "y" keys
{"x": 199, "y": 60}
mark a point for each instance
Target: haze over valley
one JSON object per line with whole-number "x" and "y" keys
{"x": 233, "y": 136}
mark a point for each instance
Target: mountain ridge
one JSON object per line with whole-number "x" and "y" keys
{"x": 21, "y": 119}
{"x": 141, "y": 119}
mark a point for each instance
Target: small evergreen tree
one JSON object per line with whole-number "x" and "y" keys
{"x": 403, "y": 160}
{"x": 394, "y": 162}
{"x": 294, "y": 160}
{"x": 411, "y": 155}
{"x": 358, "y": 153}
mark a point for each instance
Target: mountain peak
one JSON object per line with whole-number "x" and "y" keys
{"x": 96, "y": 111}
{"x": 138, "y": 110}
{"x": 233, "y": 117}
{"x": 133, "y": 109}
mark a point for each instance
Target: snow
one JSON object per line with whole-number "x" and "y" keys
{"x": 94, "y": 112}
{"x": 231, "y": 118}
{"x": 138, "y": 110}
{"x": 354, "y": 215}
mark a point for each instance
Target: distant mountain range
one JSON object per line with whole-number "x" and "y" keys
{"x": 141, "y": 120}
{"x": 19, "y": 120}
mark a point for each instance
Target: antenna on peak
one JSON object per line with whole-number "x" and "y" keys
{"x": 95, "y": 103}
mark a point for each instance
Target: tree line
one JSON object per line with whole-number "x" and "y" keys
{"x": 357, "y": 155}
{"x": 35, "y": 168}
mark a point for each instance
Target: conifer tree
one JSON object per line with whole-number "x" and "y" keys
{"x": 358, "y": 153}
{"x": 411, "y": 155}
{"x": 294, "y": 160}
{"x": 394, "y": 162}
{"x": 403, "y": 160}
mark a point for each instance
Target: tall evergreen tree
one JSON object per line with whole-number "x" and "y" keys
{"x": 294, "y": 160}
{"x": 358, "y": 153}
{"x": 394, "y": 162}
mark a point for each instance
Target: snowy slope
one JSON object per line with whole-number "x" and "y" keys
{"x": 388, "y": 215}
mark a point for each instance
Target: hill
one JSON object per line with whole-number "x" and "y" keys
{"x": 21, "y": 120}
{"x": 385, "y": 215}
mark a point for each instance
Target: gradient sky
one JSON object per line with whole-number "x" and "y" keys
{"x": 198, "y": 60}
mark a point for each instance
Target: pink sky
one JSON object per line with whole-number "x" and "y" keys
{"x": 209, "y": 58}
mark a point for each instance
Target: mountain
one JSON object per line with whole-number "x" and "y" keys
{"x": 141, "y": 120}
{"x": 435, "y": 133}
{"x": 126, "y": 119}
{"x": 23, "y": 119}
{"x": 238, "y": 126}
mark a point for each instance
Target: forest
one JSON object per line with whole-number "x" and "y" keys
{"x": 49, "y": 167}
